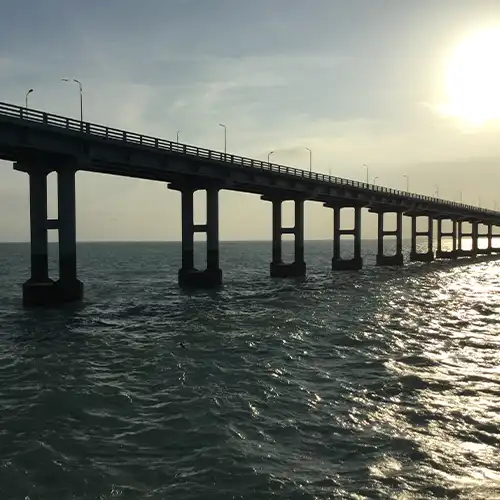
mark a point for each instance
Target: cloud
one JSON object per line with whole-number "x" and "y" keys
{"x": 353, "y": 86}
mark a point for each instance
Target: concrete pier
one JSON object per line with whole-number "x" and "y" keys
{"x": 489, "y": 235}
{"x": 474, "y": 235}
{"x": 278, "y": 268}
{"x": 461, "y": 252}
{"x": 39, "y": 286}
{"x": 187, "y": 216}
{"x": 40, "y": 290}
{"x": 38, "y": 229}
{"x": 416, "y": 256}
{"x": 459, "y": 237}
{"x": 446, "y": 254}
{"x": 396, "y": 259}
{"x": 70, "y": 287}
{"x": 356, "y": 263}
{"x": 188, "y": 275}
{"x": 489, "y": 240}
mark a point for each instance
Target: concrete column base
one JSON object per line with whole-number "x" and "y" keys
{"x": 194, "y": 278}
{"x": 484, "y": 251}
{"x": 293, "y": 270}
{"x": 51, "y": 293}
{"x": 422, "y": 257}
{"x": 466, "y": 253}
{"x": 446, "y": 254}
{"x": 390, "y": 260}
{"x": 70, "y": 291}
{"x": 353, "y": 264}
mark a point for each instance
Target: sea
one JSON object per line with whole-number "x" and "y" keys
{"x": 382, "y": 383}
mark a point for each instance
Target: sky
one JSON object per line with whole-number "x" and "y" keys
{"x": 358, "y": 82}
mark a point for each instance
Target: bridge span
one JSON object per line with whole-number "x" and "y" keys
{"x": 39, "y": 143}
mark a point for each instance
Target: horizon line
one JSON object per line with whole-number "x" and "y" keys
{"x": 330, "y": 240}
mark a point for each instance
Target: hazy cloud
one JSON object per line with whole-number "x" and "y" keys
{"x": 357, "y": 82}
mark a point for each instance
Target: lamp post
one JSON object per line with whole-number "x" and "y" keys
{"x": 225, "y": 136}
{"x": 81, "y": 94}
{"x": 269, "y": 156}
{"x": 178, "y": 136}
{"x": 407, "y": 183}
{"x": 310, "y": 159}
{"x": 366, "y": 166}
{"x": 437, "y": 191}
{"x": 375, "y": 179}
{"x": 26, "y": 97}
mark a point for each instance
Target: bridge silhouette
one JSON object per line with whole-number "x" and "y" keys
{"x": 40, "y": 143}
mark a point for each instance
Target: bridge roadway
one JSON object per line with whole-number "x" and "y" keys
{"x": 39, "y": 143}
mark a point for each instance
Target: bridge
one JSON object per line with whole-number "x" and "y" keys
{"x": 39, "y": 143}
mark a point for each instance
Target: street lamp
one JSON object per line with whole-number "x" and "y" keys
{"x": 225, "y": 136}
{"x": 366, "y": 166}
{"x": 178, "y": 136}
{"x": 310, "y": 159}
{"x": 407, "y": 183}
{"x": 269, "y": 156}
{"x": 27, "y": 94}
{"x": 437, "y": 191}
{"x": 375, "y": 179}
{"x": 81, "y": 94}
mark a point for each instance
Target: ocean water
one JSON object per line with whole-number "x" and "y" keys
{"x": 377, "y": 384}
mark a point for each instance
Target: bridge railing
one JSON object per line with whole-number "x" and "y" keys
{"x": 110, "y": 133}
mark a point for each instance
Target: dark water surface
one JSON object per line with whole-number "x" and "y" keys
{"x": 383, "y": 383}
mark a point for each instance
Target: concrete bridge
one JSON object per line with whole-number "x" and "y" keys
{"x": 39, "y": 143}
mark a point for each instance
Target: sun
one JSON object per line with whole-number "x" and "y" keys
{"x": 473, "y": 79}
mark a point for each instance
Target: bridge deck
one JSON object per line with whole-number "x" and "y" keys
{"x": 31, "y": 135}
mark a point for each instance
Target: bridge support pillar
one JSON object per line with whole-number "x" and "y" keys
{"x": 188, "y": 275}
{"x": 446, "y": 254}
{"x": 39, "y": 286}
{"x": 279, "y": 269}
{"x": 490, "y": 238}
{"x": 338, "y": 263}
{"x": 70, "y": 287}
{"x": 461, "y": 252}
{"x": 40, "y": 290}
{"x": 397, "y": 258}
{"x": 38, "y": 229}
{"x": 489, "y": 235}
{"x": 475, "y": 238}
{"x": 187, "y": 216}
{"x": 277, "y": 243}
{"x": 416, "y": 256}
{"x": 459, "y": 237}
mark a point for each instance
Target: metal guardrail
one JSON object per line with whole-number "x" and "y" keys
{"x": 114, "y": 134}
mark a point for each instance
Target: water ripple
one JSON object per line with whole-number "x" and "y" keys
{"x": 378, "y": 384}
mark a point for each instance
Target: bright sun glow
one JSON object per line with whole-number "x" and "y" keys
{"x": 473, "y": 79}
